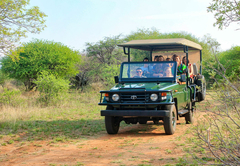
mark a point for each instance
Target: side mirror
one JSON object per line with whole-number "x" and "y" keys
{"x": 116, "y": 79}
{"x": 183, "y": 78}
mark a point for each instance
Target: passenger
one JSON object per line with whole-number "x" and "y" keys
{"x": 160, "y": 58}
{"x": 168, "y": 72}
{"x": 190, "y": 67}
{"x": 139, "y": 73}
{"x": 146, "y": 60}
{"x": 146, "y": 68}
{"x": 157, "y": 70}
{"x": 156, "y": 58}
{"x": 168, "y": 59}
{"x": 181, "y": 68}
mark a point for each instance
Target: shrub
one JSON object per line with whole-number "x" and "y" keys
{"x": 29, "y": 61}
{"x": 9, "y": 96}
{"x": 50, "y": 87}
{"x": 219, "y": 130}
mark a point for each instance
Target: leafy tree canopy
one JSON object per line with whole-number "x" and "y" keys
{"x": 230, "y": 59}
{"x": 138, "y": 55}
{"x": 106, "y": 51}
{"x": 16, "y": 20}
{"x": 39, "y": 55}
{"x": 225, "y": 12}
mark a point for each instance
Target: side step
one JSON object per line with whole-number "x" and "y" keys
{"x": 182, "y": 112}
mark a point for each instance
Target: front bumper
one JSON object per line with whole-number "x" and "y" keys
{"x": 128, "y": 103}
{"x": 138, "y": 113}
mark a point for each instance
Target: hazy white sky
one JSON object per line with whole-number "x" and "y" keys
{"x": 75, "y": 22}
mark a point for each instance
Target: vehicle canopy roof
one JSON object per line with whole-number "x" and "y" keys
{"x": 176, "y": 44}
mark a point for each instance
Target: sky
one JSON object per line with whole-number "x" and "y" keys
{"x": 75, "y": 22}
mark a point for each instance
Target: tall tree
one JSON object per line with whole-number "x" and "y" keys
{"x": 225, "y": 12}
{"x": 16, "y": 19}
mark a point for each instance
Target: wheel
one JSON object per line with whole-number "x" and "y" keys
{"x": 201, "y": 82}
{"x": 171, "y": 121}
{"x": 112, "y": 124}
{"x": 189, "y": 116}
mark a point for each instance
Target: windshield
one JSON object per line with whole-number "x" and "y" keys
{"x": 165, "y": 70}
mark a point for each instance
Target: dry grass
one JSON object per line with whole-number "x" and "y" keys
{"x": 76, "y": 114}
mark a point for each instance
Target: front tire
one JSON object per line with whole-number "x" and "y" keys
{"x": 112, "y": 124}
{"x": 171, "y": 121}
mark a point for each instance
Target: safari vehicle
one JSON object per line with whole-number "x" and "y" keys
{"x": 142, "y": 97}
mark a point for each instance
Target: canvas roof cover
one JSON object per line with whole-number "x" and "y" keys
{"x": 176, "y": 44}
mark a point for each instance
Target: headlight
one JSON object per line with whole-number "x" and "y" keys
{"x": 154, "y": 97}
{"x": 115, "y": 97}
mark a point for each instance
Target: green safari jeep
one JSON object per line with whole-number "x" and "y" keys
{"x": 152, "y": 91}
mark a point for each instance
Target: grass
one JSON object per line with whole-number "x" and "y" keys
{"x": 75, "y": 117}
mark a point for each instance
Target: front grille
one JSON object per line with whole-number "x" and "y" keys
{"x": 134, "y": 97}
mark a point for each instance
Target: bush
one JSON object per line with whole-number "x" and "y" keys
{"x": 230, "y": 59}
{"x": 9, "y": 96}
{"x": 219, "y": 130}
{"x": 3, "y": 78}
{"x": 51, "y": 88}
{"x": 39, "y": 55}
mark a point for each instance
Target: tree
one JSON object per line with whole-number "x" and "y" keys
{"x": 39, "y": 55}
{"x": 141, "y": 34}
{"x": 225, "y": 12}
{"x": 106, "y": 51}
{"x": 103, "y": 57}
{"x": 16, "y": 20}
{"x": 230, "y": 59}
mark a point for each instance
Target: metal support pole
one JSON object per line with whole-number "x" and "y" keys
{"x": 128, "y": 54}
{"x": 151, "y": 55}
{"x": 201, "y": 62}
{"x": 186, "y": 51}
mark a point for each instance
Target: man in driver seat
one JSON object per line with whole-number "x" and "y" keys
{"x": 139, "y": 73}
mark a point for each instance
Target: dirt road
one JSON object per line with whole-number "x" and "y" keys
{"x": 135, "y": 145}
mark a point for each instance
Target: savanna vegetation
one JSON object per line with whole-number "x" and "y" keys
{"x": 50, "y": 106}
{"x": 50, "y": 92}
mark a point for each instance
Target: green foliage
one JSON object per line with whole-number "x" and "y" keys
{"x": 9, "y": 96}
{"x": 230, "y": 59}
{"x": 225, "y": 12}
{"x": 106, "y": 51}
{"x": 3, "y": 77}
{"x": 40, "y": 55}
{"x": 16, "y": 19}
{"x": 107, "y": 74}
{"x": 50, "y": 87}
{"x": 210, "y": 52}
{"x": 141, "y": 34}
{"x": 223, "y": 64}
{"x": 103, "y": 59}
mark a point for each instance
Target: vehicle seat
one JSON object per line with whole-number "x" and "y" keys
{"x": 195, "y": 69}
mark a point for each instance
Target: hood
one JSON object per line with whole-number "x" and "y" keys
{"x": 147, "y": 86}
